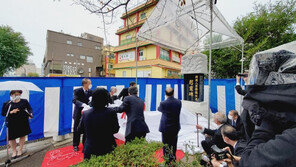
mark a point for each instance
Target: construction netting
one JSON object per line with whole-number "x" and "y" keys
{"x": 186, "y": 27}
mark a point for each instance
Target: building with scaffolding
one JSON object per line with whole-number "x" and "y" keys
{"x": 151, "y": 60}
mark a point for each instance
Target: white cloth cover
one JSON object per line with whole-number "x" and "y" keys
{"x": 187, "y": 134}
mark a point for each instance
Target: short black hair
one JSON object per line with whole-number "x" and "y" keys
{"x": 132, "y": 83}
{"x": 133, "y": 90}
{"x": 100, "y": 98}
{"x": 169, "y": 93}
{"x": 230, "y": 132}
{"x": 15, "y": 91}
{"x": 234, "y": 112}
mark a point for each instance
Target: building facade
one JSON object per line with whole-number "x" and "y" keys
{"x": 108, "y": 61}
{"x": 28, "y": 68}
{"x": 152, "y": 60}
{"x": 68, "y": 55}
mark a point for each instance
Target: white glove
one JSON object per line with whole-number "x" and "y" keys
{"x": 90, "y": 98}
{"x": 84, "y": 105}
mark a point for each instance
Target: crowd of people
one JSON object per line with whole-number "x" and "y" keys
{"x": 99, "y": 124}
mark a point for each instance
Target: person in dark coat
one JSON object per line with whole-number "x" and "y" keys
{"x": 213, "y": 137}
{"x": 233, "y": 138}
{"x": 170, "y": 124}
{"x": 99, "y": 124}
{"x": 81, "y": 98}
{"x": 17, "y": 120}
{"x": 235, "y": 121}
{"x": 124, "y": 91}
{"x": 133, "y": 106}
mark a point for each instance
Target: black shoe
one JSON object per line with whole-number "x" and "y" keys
{"x": 76, "y": 148}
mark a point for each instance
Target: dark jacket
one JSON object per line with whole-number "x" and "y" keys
{"x": 240, "y": 90}
{"x": 133, "y": 106}
{"x": 216, "y": 136}
{"x": 239, "y": 147}
{"x": 266, "y": 149}
{"x": 99, "y": 127}
{"x": 123, "y": 93}
{"x": 170, "y": 118}
{"x": 239, "y": 126}
{"x": 79, "y": 97}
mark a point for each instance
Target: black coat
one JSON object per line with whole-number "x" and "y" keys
{"x": 266, "y": 149}
{"x": 123, "y": 93}
{"x": 79, "y": 97}
{"x": 239, "y": 127}
{"x": 239, "y": 147}
{"x": 133, "y": 106}
{"x": 99, "y": 127}
{"x": 240, "y": 90}
{"x": 216, "y": 136}
{"x": 170, "y": 118}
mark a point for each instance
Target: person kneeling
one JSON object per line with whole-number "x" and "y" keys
{"x": 99, "y": 124}
{"x": 214, "y": 137}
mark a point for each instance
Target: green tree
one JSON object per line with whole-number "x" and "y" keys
{"x": 14, "y": 50}
{"x": 268, "y": 26}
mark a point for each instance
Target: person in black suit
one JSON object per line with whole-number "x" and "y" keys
{"x": 213, "y": 137}
{"x": 235, "y": 121}
{"x": 124, "y": 92}
{"x": 99, "y": 124}
{"x": 232, "y": 137}
{"x": 133, "y": 106}
{"x": 81, "y": 98}
{"x": 170, "y": 123}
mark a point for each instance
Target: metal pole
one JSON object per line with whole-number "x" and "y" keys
{"x": 242, "y": 70}
{"x": 197, "y": 139}
{"x": 136, "y": 60}
{"x": 210, "y": 63}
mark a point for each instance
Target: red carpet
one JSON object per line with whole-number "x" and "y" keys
{"x": 65, "y": 156}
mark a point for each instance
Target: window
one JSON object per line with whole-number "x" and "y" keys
{"x": 79, "y": 44}
{"x": 124, "y": 73}
{"x": 69, "y": 42}
{"x": 110, "y": 66}
{"x": 89, "y": 59}
{"x": 72, "y": 55}
{"x": 74, "y": 63}
{"x": 82, "y": 57}
{"x": 78, "y": 64}
{"x": 143, "y": 15}
{"x": 65, "y": 62}
{"x": 164, "y": 54}
{"x": 82, "y": 64}
{"x": 70, "y": 63}
{"x": 68, "y": 54}
{"x": 89, "y": 69}
{"x": 141, "y": 55}
{"x": 97, "y": 47}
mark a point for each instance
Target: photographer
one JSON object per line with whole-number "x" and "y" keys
{"x": 214, "y": 136}
{"x": 232, "y": 137}
{"x": 270, "y": 102}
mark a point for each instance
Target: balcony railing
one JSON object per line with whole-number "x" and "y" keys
{"x": 127, "y": 41}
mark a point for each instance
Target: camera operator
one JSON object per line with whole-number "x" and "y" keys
{"x": 214, "y": 136}
{"x": 270, "y": 102}
{"x": 233, "y": 138}
{"x": 238, "y": 87}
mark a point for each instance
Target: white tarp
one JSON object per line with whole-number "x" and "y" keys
{"x": 187, "y": 134}
{"x": 186, "y": 27}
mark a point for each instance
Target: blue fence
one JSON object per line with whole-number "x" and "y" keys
{"x": 150, "y": 90}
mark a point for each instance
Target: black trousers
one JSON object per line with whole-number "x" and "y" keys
{"x": 206, "y": 145}
{"x": 132, "y": 136}
{"x": 76, "y": 133}
{"x": 169, "y": 151}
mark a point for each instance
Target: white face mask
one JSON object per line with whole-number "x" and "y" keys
{"x": 230, "y": 117}
{"x": 14, "y": 98}
{"x": 90, "y": 86}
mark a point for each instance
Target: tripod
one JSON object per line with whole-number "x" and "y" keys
{"x": 8, "y": 161}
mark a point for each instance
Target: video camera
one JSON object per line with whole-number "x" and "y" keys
{"x": 219, "y": 153}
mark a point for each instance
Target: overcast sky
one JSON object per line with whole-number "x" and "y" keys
{"x": 33, "y": 17}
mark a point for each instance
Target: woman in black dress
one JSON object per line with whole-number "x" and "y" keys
{"x": 18, "y": 123}
{"x": 99, "y": 124}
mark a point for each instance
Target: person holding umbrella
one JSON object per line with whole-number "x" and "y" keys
{"x": 17, "y": 120}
